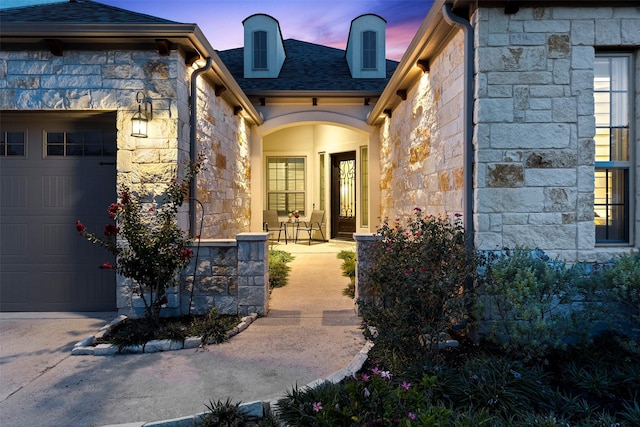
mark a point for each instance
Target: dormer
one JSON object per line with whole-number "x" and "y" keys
{"x": 366, "y": 47}
{"x": 263, "y": 47}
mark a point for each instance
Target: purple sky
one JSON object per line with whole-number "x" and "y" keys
{"x": 324, "y": 22}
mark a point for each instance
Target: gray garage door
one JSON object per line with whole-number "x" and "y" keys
{"x": 54, "y": 169}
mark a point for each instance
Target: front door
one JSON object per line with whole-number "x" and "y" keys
{"x": 343, "y": 195}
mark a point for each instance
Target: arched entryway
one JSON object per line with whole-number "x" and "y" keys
{"x": 296, "y": 171}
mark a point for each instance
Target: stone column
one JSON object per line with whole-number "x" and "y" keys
{"x": 253, "y": 273}
{"x": 364, "y": 243}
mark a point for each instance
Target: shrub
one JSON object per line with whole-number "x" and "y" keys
{"x": 418, "y": 277}
{"x": 348, "y": 270}
{"x": 530, "y": 303}
{"x": 620, "y": 284}
{"x": 149, "y": 246}
{"x": 279, "y": 268}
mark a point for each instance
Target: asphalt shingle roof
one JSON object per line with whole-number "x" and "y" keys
{"x": 307, "y": 67}
{"x": 77, "y": 12}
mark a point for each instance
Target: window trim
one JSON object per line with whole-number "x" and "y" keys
{"x": 303, "y": 192}
{"x": 625, "y": 165}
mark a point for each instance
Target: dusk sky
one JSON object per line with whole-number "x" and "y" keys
{"x": 323, "y": 22}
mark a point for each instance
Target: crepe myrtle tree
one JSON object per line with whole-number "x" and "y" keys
{"x": 149, "y": 246}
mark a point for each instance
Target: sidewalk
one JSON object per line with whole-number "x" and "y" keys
{"x": 311, "y": 331}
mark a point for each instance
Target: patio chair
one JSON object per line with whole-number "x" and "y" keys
{"x": 271, "y": 224}
{"x": 314, "y": 224}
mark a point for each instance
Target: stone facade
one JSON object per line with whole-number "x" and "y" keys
{"x": 534, "y": 118}
{"x": 229, "y": 274}
{"x": 421, "y": 145}
{"x": 109, "y": 80}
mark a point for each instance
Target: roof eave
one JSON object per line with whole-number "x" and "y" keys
{"x": 429, "y": 38}
{"x": 187, "y": 35}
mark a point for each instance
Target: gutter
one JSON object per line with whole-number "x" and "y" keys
{"x": 465, "y": 26}
{"x": 192, "y": 142}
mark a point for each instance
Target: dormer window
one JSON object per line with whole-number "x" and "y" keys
{"x": 369, "y": 59}
{"x": 260, "y": 50}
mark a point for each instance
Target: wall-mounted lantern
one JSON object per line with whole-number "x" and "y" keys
{"x": 141, "y": 118}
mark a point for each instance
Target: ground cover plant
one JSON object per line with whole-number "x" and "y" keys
{"x": 279, "y": 267}
{"x": 348, "y": 267}
{"x": 212, "y": 328}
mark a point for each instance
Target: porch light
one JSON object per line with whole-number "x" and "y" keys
{"x": 141, "y": 118}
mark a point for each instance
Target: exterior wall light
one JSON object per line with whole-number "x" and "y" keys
{"x": 141, "y": 118}
{"x": 423, "y": 64}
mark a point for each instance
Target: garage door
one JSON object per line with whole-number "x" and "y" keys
{"x": 55, "y": 169}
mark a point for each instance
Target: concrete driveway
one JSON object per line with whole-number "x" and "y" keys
{"x": 311, "y": 331}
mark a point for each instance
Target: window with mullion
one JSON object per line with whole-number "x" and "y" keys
{"x": 612, "y": 95}
{"x": 260, "y": 50}
{"x": 286, "y": 184}
{"x": 369, "y": 50}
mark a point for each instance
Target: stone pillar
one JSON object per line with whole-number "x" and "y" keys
{"x": 364, "y": 244}
{"x": 253, "y": 273}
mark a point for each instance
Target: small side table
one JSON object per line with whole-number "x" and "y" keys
{"x": 291, "y": 228}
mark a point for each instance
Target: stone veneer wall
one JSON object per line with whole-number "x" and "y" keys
{"x": 85, "y": 81}
{"x": 104, "y": 81}
{"x": 224, "y": 187}
{"x": 421, "y": 145}
{"x": 535, "y": 125}
{"x": 231, "y": 275}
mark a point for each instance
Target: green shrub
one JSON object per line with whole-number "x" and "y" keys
{"x": 348, "y": 270}
{"x": 529, "y": 303}
{"x": 418, "y": 277}
{"x": 279, "y": 268}
{"x": 228, "y": 414}
{"x": 620, "y": 284}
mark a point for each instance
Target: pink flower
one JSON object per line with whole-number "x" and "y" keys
{"x": 457, "y": 215}
{"x": 409, "y": 271}
{"x": 106, "y": 266}
{"x": 386, "y": 375}
{"x": 376, "y": 371}
{"x": 80, "y": 227}
{"x": 365, "y": 377}
{"x": 317, "y": 406}
{"x": 411, "y": 416}
{"x": 417, "y": 209}
{"x": 405, "y": 385}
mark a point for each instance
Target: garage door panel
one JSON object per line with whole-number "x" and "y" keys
{"x": 13, "y": 240}
{"x": 14, "y": 290}
{"x": 13, "y": 192}
{"x": 46, "y": 265}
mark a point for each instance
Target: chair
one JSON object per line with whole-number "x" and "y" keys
{"x": 314, "y": 224}
{"x": 271, "y": 224}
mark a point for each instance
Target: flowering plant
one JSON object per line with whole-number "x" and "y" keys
{"x": 418, "y": 276}
{"x": 149, "y": 246}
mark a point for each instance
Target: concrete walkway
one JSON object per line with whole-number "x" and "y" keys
{"x": 311, "y": 331}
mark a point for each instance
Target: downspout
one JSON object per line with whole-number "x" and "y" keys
{"x": 465, "y": 26}
{"x": 192, "y": 142}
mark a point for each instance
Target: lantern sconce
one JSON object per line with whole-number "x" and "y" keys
{"x": 141, "y": 118}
